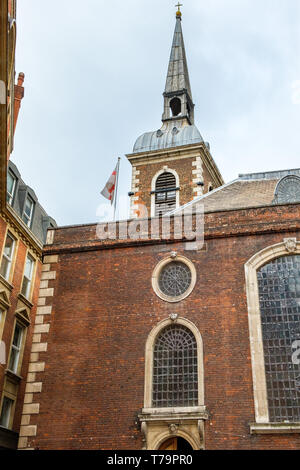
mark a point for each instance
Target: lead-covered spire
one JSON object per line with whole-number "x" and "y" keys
{"x": 178, "y": 95}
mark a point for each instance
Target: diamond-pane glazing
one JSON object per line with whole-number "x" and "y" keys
{"x": 279, "y": 296}
{"x": 175, "y": 369}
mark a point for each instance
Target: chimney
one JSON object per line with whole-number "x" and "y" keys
{"x": 19, "y": 94}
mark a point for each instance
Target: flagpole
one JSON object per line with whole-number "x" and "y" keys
{"x": 116, "y": 191}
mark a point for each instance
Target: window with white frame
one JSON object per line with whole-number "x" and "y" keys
{"x": 7, "y": 257}
{"x": 28, "y": 211}
{"x": 6, "y": 412}
{"x": 11, "y": 186}
{"x": 14, "y": 359}
{"x": 27, "y": 279}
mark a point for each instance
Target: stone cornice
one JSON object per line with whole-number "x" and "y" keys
{"x": 142, "y": 157}
{"x": 187, "y": 151}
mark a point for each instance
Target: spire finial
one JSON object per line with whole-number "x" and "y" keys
{"x": 178, "y": 12}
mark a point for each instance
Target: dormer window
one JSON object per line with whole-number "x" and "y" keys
{"x": 11, "y": 187}
{"x": 28, "y": 211}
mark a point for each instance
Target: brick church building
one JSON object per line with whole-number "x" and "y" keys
{"x": 151, "y": 342}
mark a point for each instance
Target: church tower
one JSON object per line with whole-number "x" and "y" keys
{"x": 172, "y": 165}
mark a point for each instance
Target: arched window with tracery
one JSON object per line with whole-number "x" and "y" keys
{"x": 175, "y": 368}
{"x": 165, "y": 193}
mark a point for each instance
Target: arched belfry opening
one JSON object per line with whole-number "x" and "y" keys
{"x": 175, "y": 105}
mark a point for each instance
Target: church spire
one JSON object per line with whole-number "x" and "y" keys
{"x": 178, "y": 101}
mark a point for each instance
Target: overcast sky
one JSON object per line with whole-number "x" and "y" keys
{"x": 94, "y": 76}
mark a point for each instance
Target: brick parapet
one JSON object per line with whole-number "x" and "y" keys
{"x": 243, "y": 222}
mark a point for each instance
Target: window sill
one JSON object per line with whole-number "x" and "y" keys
{"x": 275, "y": 428}
{"x": 8, "y": 439}
{"x": 6, "y": 283}
{"x": 13, "y": 376}
{"x": 25, "y": 301}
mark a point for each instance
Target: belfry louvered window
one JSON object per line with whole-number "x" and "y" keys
{"x": 165, "y": 193}
{"x": 175, "y": 368}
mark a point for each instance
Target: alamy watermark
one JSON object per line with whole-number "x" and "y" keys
{"x": 188, "y": 225}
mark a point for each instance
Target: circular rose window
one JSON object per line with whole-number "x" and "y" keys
{"x": 174, "y": 280}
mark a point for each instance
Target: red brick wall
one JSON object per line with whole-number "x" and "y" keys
{"x": 103, "y": 311}
{"x": 184, "y": 169}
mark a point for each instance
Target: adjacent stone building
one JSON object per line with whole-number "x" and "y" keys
{"x": 155, "y": 342}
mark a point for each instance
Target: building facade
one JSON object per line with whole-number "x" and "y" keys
{"x": 23, "y": 227}
{"x": 145, "y": 339}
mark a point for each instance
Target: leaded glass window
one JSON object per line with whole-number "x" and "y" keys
{"x": 288, "y": 190}
{"x": 279, "y": 296}
{"x": 175, "y": 368}
{"x": 175, "y": 279}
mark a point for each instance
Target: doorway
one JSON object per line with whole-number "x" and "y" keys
{"x": 176, "y": 443}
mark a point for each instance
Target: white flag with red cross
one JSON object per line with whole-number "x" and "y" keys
{"x": 110, "y": 188}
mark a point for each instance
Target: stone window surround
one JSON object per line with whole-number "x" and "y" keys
{"x": 12, "y": 410}
{"x": 12, "y": 233}
{"x": 30, "y": 254}
{"x": 289, "y": 247}
{"x": 4, "y": 306}
{"x": 24, "y": 325}
{"x": 156, "y": 273}
{"x": 165, "y": 169}
{"x": 159, "y": 424}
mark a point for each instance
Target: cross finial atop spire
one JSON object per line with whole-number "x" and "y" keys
{"x": 178, "y": 12}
